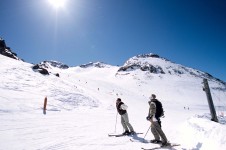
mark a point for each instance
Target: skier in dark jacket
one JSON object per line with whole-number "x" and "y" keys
{"x": 121, "y": 108}
{"x": 155, "y": 122}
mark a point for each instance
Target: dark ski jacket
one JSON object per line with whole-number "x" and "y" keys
{"x": 120, "y": 111}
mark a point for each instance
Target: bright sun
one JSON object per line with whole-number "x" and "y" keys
{"x": 57, "y": 3}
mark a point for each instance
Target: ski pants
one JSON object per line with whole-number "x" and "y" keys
{"x": 157, "y": 132}
{"x": 125, "y": 123}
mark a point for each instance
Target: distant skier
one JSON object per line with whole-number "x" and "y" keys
{"x": 121, "y": 108}
{"x": 155, "y": 112}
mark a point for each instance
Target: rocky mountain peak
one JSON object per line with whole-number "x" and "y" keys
{"x": 46, "y": 66}
{"x": 96, "y": 64}
{"x": 6, "y": 51}
{"x": 148, "y": 55}
{"x": 154, "y": 64}
{"x": 145, "y": 62}
{"x": 52, "y": 64}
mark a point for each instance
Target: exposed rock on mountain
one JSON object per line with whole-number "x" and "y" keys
{"x": 51, "y": 64}
{"x": 45, "y": 67}
{"x": 97, "y": 64}
{"x": 6, "y": 51}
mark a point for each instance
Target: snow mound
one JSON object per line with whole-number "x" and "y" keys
{"x": 203, "y": 133}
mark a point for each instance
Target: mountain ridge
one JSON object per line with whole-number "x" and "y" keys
{"x": 143, "y": 62}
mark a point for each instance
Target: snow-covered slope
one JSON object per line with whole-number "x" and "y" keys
{"x": 81, "y": 106}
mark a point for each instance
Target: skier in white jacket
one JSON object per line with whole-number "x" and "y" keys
{"x": 121, "y": 108}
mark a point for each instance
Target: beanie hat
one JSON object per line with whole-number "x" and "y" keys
{"x": 153, "y": 96}
{"x": 119, "y": 99}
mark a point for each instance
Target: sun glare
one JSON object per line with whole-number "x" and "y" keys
{"x": 57, "y": 3}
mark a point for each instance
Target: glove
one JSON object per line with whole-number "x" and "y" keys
{"x": 148, "y": 118}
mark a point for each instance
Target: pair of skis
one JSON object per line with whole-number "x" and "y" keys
{"x": 119, "y": 135}
{"x": 169, "y": 146}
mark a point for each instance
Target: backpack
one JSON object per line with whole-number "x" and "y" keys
{"x": 159, "y": 110}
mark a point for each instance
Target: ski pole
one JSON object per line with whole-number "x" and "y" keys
{"x": 147, "y": 131}
{"x": 116, "y": 121}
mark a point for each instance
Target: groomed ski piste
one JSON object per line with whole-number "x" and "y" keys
{"x": 81, "y": 109}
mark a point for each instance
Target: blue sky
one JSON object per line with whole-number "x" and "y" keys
{"x": 188, "y": 32}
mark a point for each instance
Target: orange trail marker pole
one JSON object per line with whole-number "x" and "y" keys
{"x": 45, "y": 103}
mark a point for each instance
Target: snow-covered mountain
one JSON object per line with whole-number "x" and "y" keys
{"x": 81, "y": 105}
{"x": 154, "y": 64}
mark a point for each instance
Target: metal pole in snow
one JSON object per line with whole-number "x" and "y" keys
{"x": 210, "y": 101}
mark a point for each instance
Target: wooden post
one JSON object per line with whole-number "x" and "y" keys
{"x": 44, "y": 107}
{"x": 210, "y": 101}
